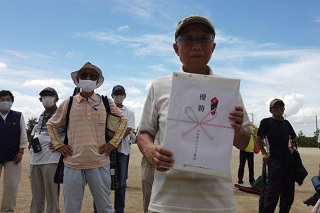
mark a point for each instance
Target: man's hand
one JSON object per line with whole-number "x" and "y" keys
{"x": 65, "y": 150}
{"x": 51, "y": 147}
{"x": 17, "y": 159}
{"x": 237, "y": 116}
{"x": 106, "y": 148}
{"x": 265, "y": 158}
{"x": 241, "y": 136}
{"x": 160, "y": 158}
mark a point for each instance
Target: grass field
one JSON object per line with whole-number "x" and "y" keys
{"x": 245, "y": 202}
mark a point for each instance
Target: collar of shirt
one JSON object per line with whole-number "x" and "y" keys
{"x": 210, "y": 70}
{"x": 50, "y": 114}
{"x": 123, "y": 108}
{"x": 95, "y": 97}
{"x": 282, "y": 118}
{"x": 4, "y": 116}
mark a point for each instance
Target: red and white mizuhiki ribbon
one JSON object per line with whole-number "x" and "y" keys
{"x": 193, "y": 119}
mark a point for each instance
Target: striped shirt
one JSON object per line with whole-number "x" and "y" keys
{"x": 86, "y": 130}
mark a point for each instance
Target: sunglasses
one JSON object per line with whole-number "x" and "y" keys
{"x": 85, "y": 75}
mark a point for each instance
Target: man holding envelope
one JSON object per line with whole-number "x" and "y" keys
{"x": 175, "y": 190}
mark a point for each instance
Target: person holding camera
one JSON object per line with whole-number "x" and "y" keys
{"x": 43, "y": 160}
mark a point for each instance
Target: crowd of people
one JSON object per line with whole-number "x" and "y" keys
{"x": 165, "y": 189}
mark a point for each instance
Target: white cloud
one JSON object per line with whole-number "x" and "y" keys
{"x": 159, "y": 68}
{"x": 3, "y": 67}
{"x": 148, "y": 85}
{"x": 141, "y": 45}
{"x": 72, "y": 54}
{"x": 123, "y": 28}
{"x": 267, "y": 73}
{"x": 266, "y": 70}
{"x": 317, "y": 19}
{"x": 137, "y": 8}
{"x": 133, "y": 90}
{"x": 58, "y": 84}
{"x": 293, "y": 103}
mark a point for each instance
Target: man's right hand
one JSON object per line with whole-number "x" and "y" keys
{"x": 160, "y": 158}
{"x": 65, "y": 150}
{"x": 265, "y": 158}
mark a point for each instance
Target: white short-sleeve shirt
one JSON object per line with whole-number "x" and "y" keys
{"x": 180, "y": 191}
{"x": 125, "y": 145}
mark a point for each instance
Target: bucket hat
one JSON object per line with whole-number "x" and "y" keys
{"x": 88, "y": 66}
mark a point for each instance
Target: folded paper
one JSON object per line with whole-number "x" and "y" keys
{"x": 198, "y": 130}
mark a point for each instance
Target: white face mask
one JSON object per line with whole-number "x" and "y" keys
{"x": 48, "y": 101}
{"x": 5, "y": 105}
{"x": 87, "y": 85}
{"x": 118, "y": 99}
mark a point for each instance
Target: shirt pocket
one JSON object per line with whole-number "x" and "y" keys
{"x": 102, "y": 116}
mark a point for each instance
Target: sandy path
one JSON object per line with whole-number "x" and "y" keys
{"x": 245, "y": 202}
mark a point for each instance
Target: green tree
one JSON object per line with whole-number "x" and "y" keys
{"x": 300, "y": 133}
{"x": 31, "y": 123}
{"x": 316, "y": 133}
{"x": 304, "y": 141}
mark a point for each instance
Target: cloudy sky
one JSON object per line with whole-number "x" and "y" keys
{"x": 272, "y": 46}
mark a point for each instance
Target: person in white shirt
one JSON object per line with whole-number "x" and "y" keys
{"x": 176, "y": 190}
{"x": 13, "y": 141}
{"x": 43, "y": 159}
{"x": 124, "y": 148}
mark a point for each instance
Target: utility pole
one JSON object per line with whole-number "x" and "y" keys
{"x": 251, "y": 117}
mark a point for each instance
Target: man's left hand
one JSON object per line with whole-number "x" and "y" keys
{"x": 237, "y": 116}
{"x": 241, "y": 136}
{"x": 106, "y": 148}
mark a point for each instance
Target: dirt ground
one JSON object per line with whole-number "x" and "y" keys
{"x": 245, "y": 202}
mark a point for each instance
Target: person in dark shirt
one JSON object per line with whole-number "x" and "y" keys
{"x": 282, "y": 140}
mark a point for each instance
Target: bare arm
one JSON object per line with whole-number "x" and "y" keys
{"x": 294, "y": 144}
{"x": 160, "y": 158}
{"x": 265, "y": 156}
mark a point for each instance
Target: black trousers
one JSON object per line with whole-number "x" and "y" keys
{"x": 246, "y": 156}
{"x": 281, "y": 184}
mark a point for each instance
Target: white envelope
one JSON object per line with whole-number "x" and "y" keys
{"x": 198, "y": 130}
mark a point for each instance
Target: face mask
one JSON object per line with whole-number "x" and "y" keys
{"x": 5, "y": 105}
{"x": 47, "y": 101}
{"x": 118, "y": 99}
{"x": 87, "y": 85}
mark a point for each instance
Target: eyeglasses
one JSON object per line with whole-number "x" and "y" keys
{"x": 84, "y": 75}
{"x": 189, "y": 39}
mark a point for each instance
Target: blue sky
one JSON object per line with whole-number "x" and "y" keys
{"x": 272, "y": 46}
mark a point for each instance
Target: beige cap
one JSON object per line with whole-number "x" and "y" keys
{"x": 90, "y": 66}
{"x": 194, "y": 19}
{"x": 274, "y": 101}
{"x": 49, "y": 89}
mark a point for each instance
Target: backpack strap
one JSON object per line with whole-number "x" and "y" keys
{"x": 113, "y": 154}
{"x": 106, "y": 104}
{"x": 67, "y": 120}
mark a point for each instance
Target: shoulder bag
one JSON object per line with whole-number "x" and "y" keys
{"x": 58, "y": 176}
